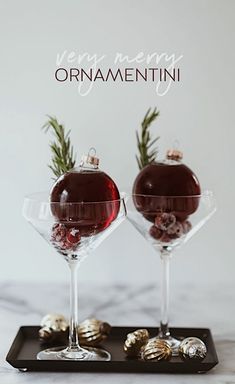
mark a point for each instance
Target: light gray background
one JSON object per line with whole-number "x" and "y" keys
{"x": 199, "y": 112}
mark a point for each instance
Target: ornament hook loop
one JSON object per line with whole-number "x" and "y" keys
{"x": 176, "y": 145}
{"x": 91, "y": 152}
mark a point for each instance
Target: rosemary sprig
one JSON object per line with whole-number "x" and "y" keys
{"x": 63, "y": 159}
{"x": 147, "y": 153}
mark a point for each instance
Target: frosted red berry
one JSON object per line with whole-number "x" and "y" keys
{"x": 73, "y": 236}
{"x": 64, "y": 238}
{"x": 58, "y": 232}
{"x": 187, "y": 226}
{"x": 176, "y": 230}
{"x": 166, "y": 238}
{"x": 155, "y": 232}
{"x": 164, "y": 221}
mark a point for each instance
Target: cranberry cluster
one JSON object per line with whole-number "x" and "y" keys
{"x": 167, "y": 228}
{"x": 64, "y": 238}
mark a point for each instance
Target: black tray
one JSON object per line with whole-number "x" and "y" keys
{"x": 23, "y": 352}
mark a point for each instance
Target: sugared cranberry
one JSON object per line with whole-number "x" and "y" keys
{"x": 187, "y": 226}
{"x": 65, "y": 239}
{"x": 155, "y": 232}
{"x": 166, "y": 238}
{"x": 73, "y": 236}
{"x": 58, "y": 232}
{"x": 176, "y": 230}
{"x": 164, "y": 221}
{"x": 66, "y": 246}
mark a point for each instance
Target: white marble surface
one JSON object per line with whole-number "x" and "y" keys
{"x": 196, "y": 306}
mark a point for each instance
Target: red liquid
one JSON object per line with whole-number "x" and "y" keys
{"x": 94, "y": 188}
{"x": 161, "y": 180}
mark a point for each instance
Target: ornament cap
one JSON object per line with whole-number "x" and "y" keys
{"x": 90, "y": 158}
{"x": 174, "y": 154}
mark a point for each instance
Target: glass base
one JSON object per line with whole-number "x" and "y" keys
{"x": 81, "y": 354}
{"x": 171, "y": 341}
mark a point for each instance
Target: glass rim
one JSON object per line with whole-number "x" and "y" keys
{"x": 34, "y": 197}
{"x": 203, "y": 194}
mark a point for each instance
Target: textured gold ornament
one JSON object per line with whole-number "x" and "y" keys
{"x": 135, "y": 341}
{"x": 157, "y": 350}
{"x": 92, "y": 332}
{"x": 53, "y": 327}
{"x": 192, "y": 348}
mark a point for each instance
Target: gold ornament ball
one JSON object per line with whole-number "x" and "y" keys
{"x": 158, "y": 350}
{"x": 135, "y": 341}
{"x": 92, "y": 332}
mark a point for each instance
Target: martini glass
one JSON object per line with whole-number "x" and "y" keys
{"x": 168, "y": 222}
{"x": 82, "y": 228}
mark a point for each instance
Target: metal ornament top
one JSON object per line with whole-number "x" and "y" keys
{"x": 90, "y": 158}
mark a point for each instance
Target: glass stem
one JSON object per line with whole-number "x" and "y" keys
{"x": 73, "y": 326}
{"x": 165, "y": 259}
